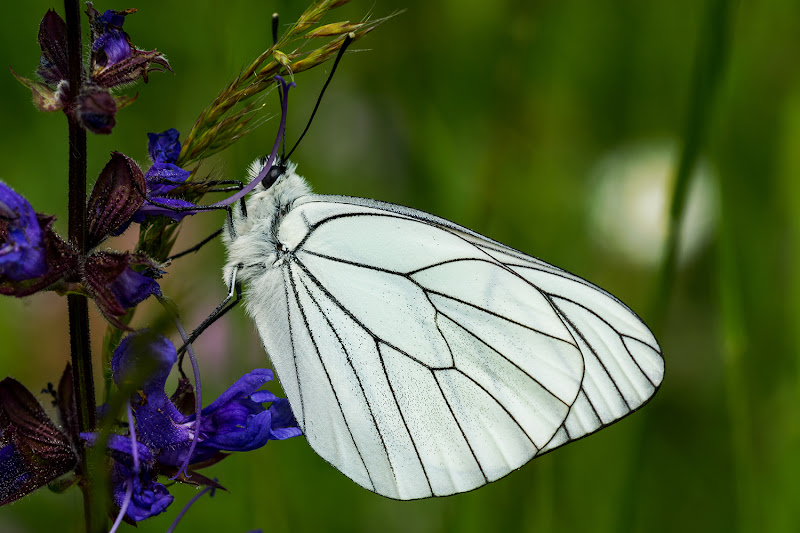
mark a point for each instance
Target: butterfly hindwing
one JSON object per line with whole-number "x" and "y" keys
{"x": 423, "y": 359}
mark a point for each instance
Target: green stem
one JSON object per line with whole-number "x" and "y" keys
{"x": 711, "y": 57}
{"x": 77, "y": 305}
{"x": 712, "y": 50}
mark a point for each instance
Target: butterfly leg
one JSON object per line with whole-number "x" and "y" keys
{"x": 234, "y": 297}
{"x": 196, "y": 246}
{"x": 231, "y": 185}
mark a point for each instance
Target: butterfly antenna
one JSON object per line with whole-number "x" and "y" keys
{"x": 347, "y": 40}
{"x": 275, "y": 20}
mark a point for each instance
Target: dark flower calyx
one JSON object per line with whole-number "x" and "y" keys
{"x": 53, "y": 65}
{"x": 33, "y": 451}
{"x": 118, "y": 193}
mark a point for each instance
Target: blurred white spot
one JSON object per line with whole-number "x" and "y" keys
{"x": 630, "y": 201}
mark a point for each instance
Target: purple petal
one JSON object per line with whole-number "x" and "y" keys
{"x": 284, "y": 424}
{"x": 164, "y": 147}
{"x": 241, "y": 388}
{"x": 166, "y": 207}
{"x": 111, "y": 48}
{"x": 121, "y": 448}
{"x": 237, "y": 431}
{"x": 131, "y": 288}
{"x": 163, "y": 177}
{"x": 22, "y": 250}
{"x": 264, "y": 396}
{"x": 114, "y": 18}
{"x": 158, "y": 421}
{"x": 148, "y": 499}
{"x": 148, "y": 353}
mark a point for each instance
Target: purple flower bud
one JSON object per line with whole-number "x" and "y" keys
{"x": 97, "y": 110}
{"x": 22, "y": 247}
{"x": 115, "y": 286}
{"x": 164, "y": 147}
{"x": 131, "y": 288}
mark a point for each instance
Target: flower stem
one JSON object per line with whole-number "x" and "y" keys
{"x": 77, "y": 305}
{"x": 711, "y": 58}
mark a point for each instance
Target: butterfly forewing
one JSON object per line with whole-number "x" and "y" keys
{"x": 421, "y": 358}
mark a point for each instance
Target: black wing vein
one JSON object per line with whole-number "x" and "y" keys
{"x": 327, "y": 375}
{"x": 360, "y": 385}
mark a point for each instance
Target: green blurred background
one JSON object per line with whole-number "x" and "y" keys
{"x": 513, "y": 118}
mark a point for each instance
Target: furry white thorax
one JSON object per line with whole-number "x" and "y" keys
{"x": 253, "y": 242}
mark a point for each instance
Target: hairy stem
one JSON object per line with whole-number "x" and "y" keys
{"x": 77, "y": 305}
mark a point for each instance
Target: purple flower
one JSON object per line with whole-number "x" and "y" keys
{"x": 114, "y": 60}
{"x": 111, "y": 45}
{"x": 236, "y": 421}
{"x": 149, "y": 497}
{"x": 164, "y": 176}
{"x": 164, "y": 147}
{"x": 22, "y": 247}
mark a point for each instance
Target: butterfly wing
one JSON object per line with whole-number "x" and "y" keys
{"x": 423, "y": 359}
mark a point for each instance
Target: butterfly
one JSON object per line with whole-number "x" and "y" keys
{"x": 419, "y": 357}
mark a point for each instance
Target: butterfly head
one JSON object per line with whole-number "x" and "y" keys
{"x": 278, "y": 170}
{"x": 252, "y": 234}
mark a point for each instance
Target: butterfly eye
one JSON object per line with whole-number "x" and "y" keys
{"x": 275, "y": 172}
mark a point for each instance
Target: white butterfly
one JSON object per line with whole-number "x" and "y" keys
{"x": 419, "y": 357}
